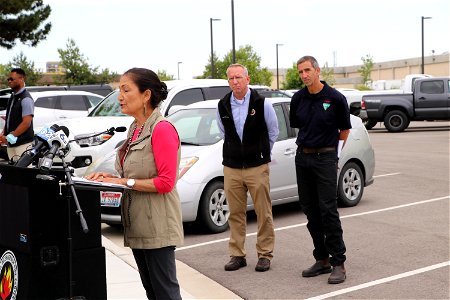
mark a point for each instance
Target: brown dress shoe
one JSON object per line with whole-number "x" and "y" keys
{"x": 319, "y": 267}
{"x": 235, "y": 263}
{"x": 337, "y": 275}
{"x": 262, "y": 265}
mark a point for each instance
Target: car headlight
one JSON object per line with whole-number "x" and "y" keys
{"x": 185, "y": 164}
{"x": 87, "y": 140}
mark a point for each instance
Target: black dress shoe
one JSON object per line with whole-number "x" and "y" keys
{"x": 320, "y": 267}
{"x": 337, "y": 275}
{"x": 262, "y": 265}
{"x": 236, "y": 263}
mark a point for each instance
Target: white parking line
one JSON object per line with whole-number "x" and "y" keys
{"x": 304, "y": 224}
{"x": 384, "y": 175}
{"x": 380, "y": 281}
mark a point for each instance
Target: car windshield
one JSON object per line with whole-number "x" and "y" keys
{"x": 109, "y": 107}
{"x": 196, "y": 126}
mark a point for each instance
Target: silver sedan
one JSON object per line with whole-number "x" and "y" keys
{"x": 200, "y": 183}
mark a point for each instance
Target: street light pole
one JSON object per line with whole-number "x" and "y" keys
{"x": 423, "y": 48}
{"x": 180, "y": 62}
{"x": 278, "y": 78}
{"x": 232, "y": 32}
{"x": 212, "y": 49}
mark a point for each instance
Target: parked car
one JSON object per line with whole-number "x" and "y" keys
{"x": 108, "y": 114}
{"x": 99, "y": 89}
{"x": 53, "y": 106}
{"x": 274, "y": 93}
{"x": 200, "y": 183}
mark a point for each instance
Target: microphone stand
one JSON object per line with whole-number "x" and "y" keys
{"x": 79, "y": 212}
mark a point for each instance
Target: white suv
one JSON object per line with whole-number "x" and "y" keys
{"x": 108, "y": 114}
{"x": 53, "y": 106}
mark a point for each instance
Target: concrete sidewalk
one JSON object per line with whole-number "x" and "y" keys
{"x": 123, "y": 281}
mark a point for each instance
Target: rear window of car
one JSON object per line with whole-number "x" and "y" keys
{"x": 187, "y": 97}
{"x": 218, "y": 92}
{"x": 196, "y": 126}
{"x": 46, "y": 102}
{"x": 72, "y": 102}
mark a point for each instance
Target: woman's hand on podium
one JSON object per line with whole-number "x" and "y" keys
{"x": 106, "y": 177}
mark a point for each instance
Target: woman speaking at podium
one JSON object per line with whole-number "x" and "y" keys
{"x": 148, "y": 164}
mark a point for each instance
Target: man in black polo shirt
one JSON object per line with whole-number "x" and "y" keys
{"x": 322, "y": 116}
{"x": 18, "y": 132}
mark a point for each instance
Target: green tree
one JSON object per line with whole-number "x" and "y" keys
{"x": 292, "y": 80}
{"x": 366, "y": 69}
{"x": 245, "y": 56}
{"x": 162, "y": 74}
{"x": 4, "y": 73}
{"x": 327, "y": 74}
{"x": 105, "y": 76}
{"x": 77, "y": 68}
{"x": 21, "y": 61}
{"x": 207, "y": 71}
{"x": 21, "y": 20}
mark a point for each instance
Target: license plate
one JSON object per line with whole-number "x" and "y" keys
{"x": 110, "y": 199}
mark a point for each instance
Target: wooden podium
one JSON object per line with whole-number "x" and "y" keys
{"x": 34, "y": 237}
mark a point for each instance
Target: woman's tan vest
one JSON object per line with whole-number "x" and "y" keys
{"x": 150, "y": 220}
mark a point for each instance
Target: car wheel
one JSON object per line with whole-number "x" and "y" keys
{"x": 213, "y": 210}
{"x": 396, "y": 121}
{"x": 369, "y": 124}
{"x": 350, "y": 185}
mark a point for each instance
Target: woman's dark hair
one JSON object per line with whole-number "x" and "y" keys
{"x": 146, "y": 79}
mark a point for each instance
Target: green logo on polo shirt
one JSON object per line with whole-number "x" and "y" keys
{"x": 326, "y": 105}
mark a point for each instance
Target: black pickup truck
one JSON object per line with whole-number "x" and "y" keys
{"x": 430, "y": 100}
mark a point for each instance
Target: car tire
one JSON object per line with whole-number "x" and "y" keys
{"x": 396, "y": 121}
{"x": 369, "y": 124}
{"x": 213, "y": 209}
{"x": 350, "y": 185}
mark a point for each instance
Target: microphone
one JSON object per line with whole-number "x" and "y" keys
{"x": 39, "y": 144}
{"x": 109, "y": 131}
{"x": 121, "y": 129}
{"x": 56, "y": 141}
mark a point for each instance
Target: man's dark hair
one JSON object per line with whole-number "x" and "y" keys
{"x": 19, "y": 71}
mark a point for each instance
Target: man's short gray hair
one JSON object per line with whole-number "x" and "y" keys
{"x": 309, "y": 58}
{"x": 238, "y": 65}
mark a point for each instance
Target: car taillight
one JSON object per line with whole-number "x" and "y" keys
{"x": 363, "y": 104}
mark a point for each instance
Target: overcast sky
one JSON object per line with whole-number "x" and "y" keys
{"x": 121, "y": 34}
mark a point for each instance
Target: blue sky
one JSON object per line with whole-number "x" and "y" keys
{"x": 158, "y": 34}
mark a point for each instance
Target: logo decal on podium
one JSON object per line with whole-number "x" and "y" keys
{"x": 9, "y": 277}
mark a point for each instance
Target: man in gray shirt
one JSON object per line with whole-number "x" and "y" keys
{"x": 18, "y": 131}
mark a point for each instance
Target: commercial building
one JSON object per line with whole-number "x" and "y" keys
{"x": 384, "y": 75}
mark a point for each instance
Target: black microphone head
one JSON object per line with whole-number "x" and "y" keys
{"x": 54, "y": 127}
{"x": 121, "y": 129}
{"x": 65, "y": 130}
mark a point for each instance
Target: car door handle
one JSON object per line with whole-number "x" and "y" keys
{"x": 289, "y": 152}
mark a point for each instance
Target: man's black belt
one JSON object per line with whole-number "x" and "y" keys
{"x": 309, "y": 150}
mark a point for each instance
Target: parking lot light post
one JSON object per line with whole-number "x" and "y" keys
{"x": 212, "y": 48}
{"x": 232, "y": 32}
{"x": 278, "y": 78}
{"x": 178, "y": 66}
{"x": 423, "y": 48}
